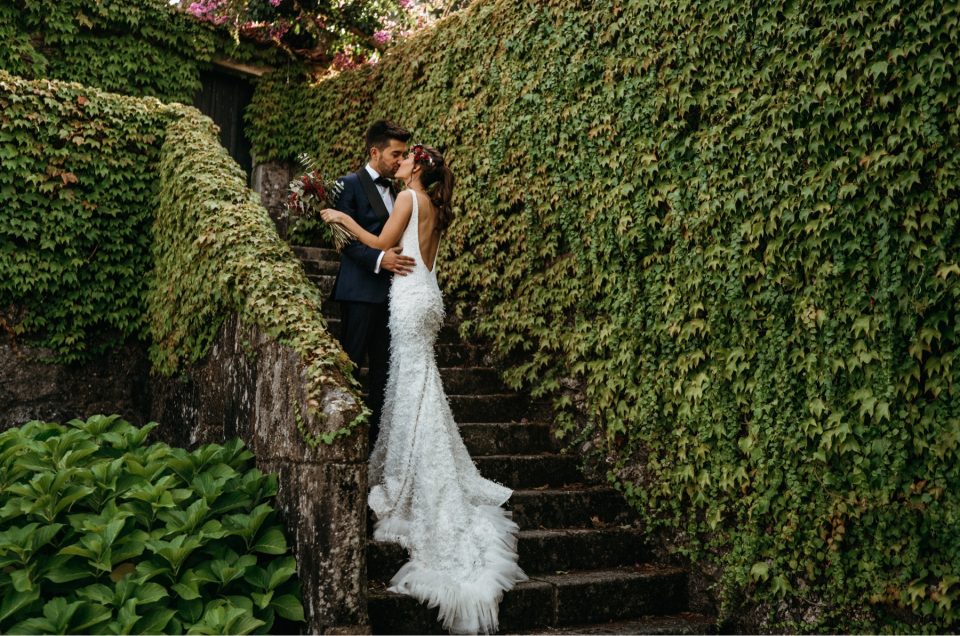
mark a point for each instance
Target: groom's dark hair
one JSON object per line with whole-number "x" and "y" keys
{"x": 381, "y": 132}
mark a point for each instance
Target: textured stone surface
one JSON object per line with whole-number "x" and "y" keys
{"x": 250, "y": 386}
{"x": 317, "y": 260}
{"x": 471, "y": 380}
{"x": 458, "y": 355}
{"x": 572, "y": 507}
{"x": 540, "y": 551}
{"x": 325, "y": 504}
{"x": 271, "y": 180}
{"x": 117, "y": 382}
{"x": 491, "y": 407}
{"x": 324, "y": 283}
{"x": 528, "y": 604}
{"x": 612, "y": 594}
{"x": 597, "y": 596}
{"x": 506, "y": 438}
{"x": 682, "y": 623}
{"x": 529, "y": 471}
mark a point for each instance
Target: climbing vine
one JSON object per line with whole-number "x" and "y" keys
{"x": 144, "y": 47}
{"x": 77, "y": 192}
{"x": 735, "y": 226}
{"x": 123, "y": 217}
{"x": 216, "y": 253}
{"x": 132, "y": 47}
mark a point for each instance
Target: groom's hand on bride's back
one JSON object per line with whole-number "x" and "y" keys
{"x": 394, "y": 261}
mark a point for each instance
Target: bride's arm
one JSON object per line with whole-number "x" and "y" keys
{"x": 392, "y": 231}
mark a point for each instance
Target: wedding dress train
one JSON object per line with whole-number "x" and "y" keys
{"x": 426, "y": 492}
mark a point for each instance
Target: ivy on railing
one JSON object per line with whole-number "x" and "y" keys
{"x": 123, "y": 217}
{"x": 216, "y": 252}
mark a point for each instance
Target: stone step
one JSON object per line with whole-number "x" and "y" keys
{"x": 330, "y": 308}
{"x": 493, "y": 407}
{"x": 580, "y": 597}
{"x": 572, "y": 507}
{"x": 461, "y": 355}
{"x": 320, "y": 268}
{"x": 507, "y": 438}
{"x": 529, "y": 471}
{"x": 451, "y": 354}
{"x": 448, "y": 333}
{"x": 324, "y": 283}
{"x": 540, "y": 551}
{"x": 680, "y": 623}
{"x": 322, "y": 254}
{"x": 459, "y": 380}
{"x": 472, "y": 379}
{"x": 333, "y": 326}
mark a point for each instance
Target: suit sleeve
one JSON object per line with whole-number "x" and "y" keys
{"x": 361, "y": 254}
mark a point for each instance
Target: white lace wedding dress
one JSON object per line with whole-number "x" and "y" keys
{"x": 426, "y": 492}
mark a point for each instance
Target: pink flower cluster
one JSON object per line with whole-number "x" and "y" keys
{"x": 348, "y": 59}
{"x": 208, "y": 10}
{"x": 396, "y": 19}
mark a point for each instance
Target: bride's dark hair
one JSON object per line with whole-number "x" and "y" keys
{"x": 437, "y": 180}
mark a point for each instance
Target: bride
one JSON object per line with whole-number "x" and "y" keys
{"x": 426, "y": 492}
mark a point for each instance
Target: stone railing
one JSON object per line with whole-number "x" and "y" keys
{"x": 254, "y": 388}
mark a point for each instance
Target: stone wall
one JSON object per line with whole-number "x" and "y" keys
{"x": 30, "y": 388}
{"x": 271, "y": 180}
{"x": 250, "y": 386}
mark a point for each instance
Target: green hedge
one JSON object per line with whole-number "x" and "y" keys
{"x": 735, "y": 225}
{"x": 102, "y": 533}
{"x": 140, "y": 47}
{"x": 217, "y": 252}
{"x": 132, "y": 47}
{"x": 77, "y": 194}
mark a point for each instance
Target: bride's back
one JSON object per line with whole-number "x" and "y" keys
{"x": 427, "y": 235}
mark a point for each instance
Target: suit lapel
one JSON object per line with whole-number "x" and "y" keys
{"x": 373, "y": 195}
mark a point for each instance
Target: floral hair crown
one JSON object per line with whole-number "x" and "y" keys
{"x": 420, "y": 155}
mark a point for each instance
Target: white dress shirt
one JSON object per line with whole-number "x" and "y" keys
{"x": 387, "y": 201}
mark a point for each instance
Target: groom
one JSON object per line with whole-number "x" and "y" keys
{"x": 363, "y": 280}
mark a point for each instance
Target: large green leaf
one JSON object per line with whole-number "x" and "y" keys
{"x": 288, "y": 606}
{"x": 271, "y": 541}
{"x": 15, "y": 601}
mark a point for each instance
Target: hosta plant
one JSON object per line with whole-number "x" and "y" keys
{"x": 101, "y": 532}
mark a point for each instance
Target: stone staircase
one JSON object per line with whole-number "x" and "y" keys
{"x": 589, "y": 569}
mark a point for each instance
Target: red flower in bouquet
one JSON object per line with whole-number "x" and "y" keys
{"x": 310, "y": 193}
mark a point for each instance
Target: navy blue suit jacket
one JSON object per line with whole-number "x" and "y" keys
{"x": 356, "y": 280}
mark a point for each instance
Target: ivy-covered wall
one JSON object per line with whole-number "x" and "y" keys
{"x": 140, "y": 47}
{"x": 232, "y": 312}
{"x": 735, "y": 225}
{"x": 101, "y": 241}
{"x": 78, "y": 189}
{"x": 132, "y": 47}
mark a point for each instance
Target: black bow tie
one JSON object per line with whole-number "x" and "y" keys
{"x": 383, "y": 181}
